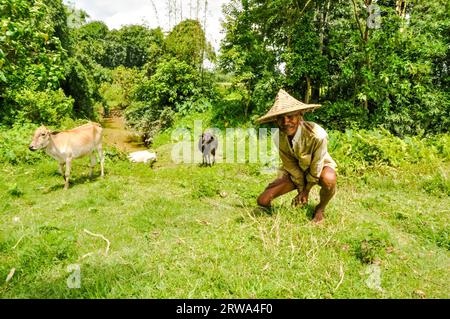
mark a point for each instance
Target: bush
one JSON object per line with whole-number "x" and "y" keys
{"x": 339, "y": 115}
{"x": 199, "y": 106}
{"x": 357, "y": 150}
{"x": 370, "y": 247}
{"x": 113, "y": 154}
{"x": 230, "y": 110}
{"x": 174, "y": 87}
{"x": 14, "y": 145}
{"x": 264, "y": 93}
{"x": 143, "y": 118}
{"x": 118, "y": 93}
{"x": 370, "y": 250}
{"x": 173, "y": 83}
{"x": 80, "y": 85}
{"x": 49, "y": 107}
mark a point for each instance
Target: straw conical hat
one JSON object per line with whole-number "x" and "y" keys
{"x": 284, "y": 103}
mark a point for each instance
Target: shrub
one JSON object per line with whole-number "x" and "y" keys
{"x": 230, "y": 110}
{"x": 14, "y": 145}
{"x": 357, "y": 150}
{"x": 264, "y": 93}
{"x": 80, "y": 85}
{"x": 198, "y": 106}
{"x": 339, "y": 115}
{"x": 143, "y": 118}
{"x": 118, "y": 93}
{"x": 174, "y": 87}
{"x": 173, "y": 83}
{"x": 49, "y": 107}
{"x": 372, "y": 247}
{"x": 113, "y": 154}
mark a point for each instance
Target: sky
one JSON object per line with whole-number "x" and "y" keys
{"x": 153, "y": 13}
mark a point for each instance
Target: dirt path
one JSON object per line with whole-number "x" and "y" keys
{"x": 115, "y": 133}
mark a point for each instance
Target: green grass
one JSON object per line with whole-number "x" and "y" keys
{"x": 184, "y": 231}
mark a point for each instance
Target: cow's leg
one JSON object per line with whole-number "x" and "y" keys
{"x": 68, "y": 164}
{"x": 61, "y": 170}
{"x": 102, "y": 159}
{"x": 214, "y": 156}
{"x": 93, "y": 162}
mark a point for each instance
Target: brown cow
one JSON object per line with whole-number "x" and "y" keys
{"x": 67, "y": 145}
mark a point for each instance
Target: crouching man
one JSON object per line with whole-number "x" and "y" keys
{"x": 303, "y": 151}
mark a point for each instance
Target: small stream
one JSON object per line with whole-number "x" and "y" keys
{"x": 116, "y": 134}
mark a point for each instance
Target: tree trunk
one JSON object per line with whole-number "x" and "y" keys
{"x": 365, "y": 39}
{"x": 323, "y": 28}
{"x": 355, "y": 10}
{"x": 308, "y": 90}
{"x": 366, "y": 32}
{"x": 323, "y": 24}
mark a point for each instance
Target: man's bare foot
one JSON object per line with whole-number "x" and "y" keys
{"x": 319, "y": 215}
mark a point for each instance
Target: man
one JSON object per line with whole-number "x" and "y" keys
{"x": 303, "y": 151}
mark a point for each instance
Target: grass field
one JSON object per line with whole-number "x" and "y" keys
{"x": 184, "y": 231}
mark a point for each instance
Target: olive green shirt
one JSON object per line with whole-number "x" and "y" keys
{"x": 304, "y": 161}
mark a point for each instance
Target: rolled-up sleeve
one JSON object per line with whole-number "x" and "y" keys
{"x": 317, "y": 160}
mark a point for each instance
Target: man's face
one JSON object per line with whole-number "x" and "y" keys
{"x": 288, "y": 123}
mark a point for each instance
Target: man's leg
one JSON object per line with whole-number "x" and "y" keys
{"x": 277, "y": 188}
{"x": 327, "y": 183}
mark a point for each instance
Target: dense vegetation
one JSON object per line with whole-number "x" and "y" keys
{"x": 386, "y": 68}
{"x": 183, "y": 231}
{"x": 389, "y": 70}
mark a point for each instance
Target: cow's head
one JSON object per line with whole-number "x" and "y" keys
{"x": 41, "y": 138}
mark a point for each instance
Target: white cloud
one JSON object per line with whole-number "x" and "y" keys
{"x": 116, "y": 13}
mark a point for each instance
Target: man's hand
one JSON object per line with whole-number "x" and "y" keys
{"x": 301, "y": 199}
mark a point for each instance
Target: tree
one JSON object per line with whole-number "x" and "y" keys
{"x": 187, "y": 42}
{"x": 158, "y": 97}
{"x": 244, "y": 51}
{"x": 31, "y": 55}
{"x": 383, "y": 65}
